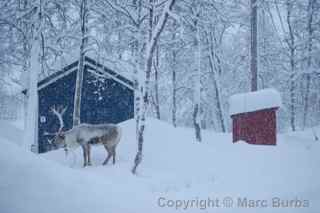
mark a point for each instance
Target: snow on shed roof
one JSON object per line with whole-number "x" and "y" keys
{"x": 254, "y": 101}
{"x": 94, "y": 67}
{"x": 122, "y": 67}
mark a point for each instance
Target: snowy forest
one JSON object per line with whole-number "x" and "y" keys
{"x": 201, "y": 54}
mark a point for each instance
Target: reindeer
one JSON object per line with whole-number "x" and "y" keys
{"x": 85, "y": 135}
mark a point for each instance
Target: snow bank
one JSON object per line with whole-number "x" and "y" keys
{"x": 253, "y": 101}
{"x": 174, "y": 167}
{"x": 11, "y": 132}
{"x": 29, "y": 184}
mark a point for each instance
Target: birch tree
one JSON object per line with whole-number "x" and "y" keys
{"x": 79, "y": 79}
{"x": 154, "y": 34}
{"x": 34, "y": 70}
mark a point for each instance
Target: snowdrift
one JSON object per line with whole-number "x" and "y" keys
{"x": 175, "y": 167}
{"x": 31, "y": 184}
{"x": 11, "y": 132}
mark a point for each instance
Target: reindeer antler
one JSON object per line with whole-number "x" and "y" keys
{"x": 59, "y": 113}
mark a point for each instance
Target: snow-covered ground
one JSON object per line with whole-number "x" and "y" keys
{"x": 177, "y": 173}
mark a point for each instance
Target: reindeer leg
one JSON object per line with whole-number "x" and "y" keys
{"x": 114, "y": 155}
{"x": 88, "y": 154}
{"x": 84, "y": 155}
{"x": 108, "y": 157}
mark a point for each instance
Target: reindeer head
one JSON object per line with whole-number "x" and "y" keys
{"x": 59, "y": 139}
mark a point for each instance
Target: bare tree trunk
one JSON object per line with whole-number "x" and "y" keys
{"x": 216, "y": 71}
{"x": 136, "y": 54}
{"x": 136, "y": 87}
{"x": 26, "y": 59}
{"x": 196, "y": 122}
{"x": 174, "y": 90}
{"x": 79, "y": 80}
{"x": 308, "y": 77}
{"x": 151, "y": 44}
{"x": 306, "y": 100}
{"x": 217, "y": 95}
{"x": 34, "y": 70}
{"x": 144, "y": 94}
{"x": 196, "y": 118}
{"x": 42, "y": 58}
{"x": 41, "y": 40}
{"x": 30, "y": 131}
{"x": 292, "y": 97}
{"x": 291, "y": 45}
{"x": 174, "y": 79}
{"x": 156, "y": 83}
{"x": 254, "y": 46}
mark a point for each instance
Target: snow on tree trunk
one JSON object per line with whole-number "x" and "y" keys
{"x": 309, "y": 57}
{"x": 174, "y": 79}
{"x": 136, "y": 60}
{"x": 79, "y": 80}
{"x": 31, "y": 128}
{"x": 197, "y": 93}
{"x": 174, "y": 89}
{"x": 292, "y": 48}
{"x": 154, "y": 34}
{"x": 26, "y": 58}
{"x": 195, "y": 118}
{"x": 254, "y": 46}
{"x": 136, "y": 85}
{"x": 156, "y": 83}
{"x": 216, "y": 80}
{"x": 32, "y": 98}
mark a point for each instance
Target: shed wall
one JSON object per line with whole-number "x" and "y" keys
{"x": 257, "y": 127}
{"x": 59, "y": 93}
{"x": 105, "y": 100}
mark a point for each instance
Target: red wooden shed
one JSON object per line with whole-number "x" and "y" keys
{"x": 254, "y": 116}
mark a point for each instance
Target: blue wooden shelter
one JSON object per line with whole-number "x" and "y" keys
{"x": 107, "y": 97}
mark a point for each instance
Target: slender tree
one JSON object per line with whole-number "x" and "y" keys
{"x": 34, "y": 70}
{"x": 310, "y": 12}
{"x": 254, "y": 46}
{"x": 291, "y": 42}
{"x": 79, "y": 80}
{"x": 154, "y": 34}
{"x": 215, "y": 71}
